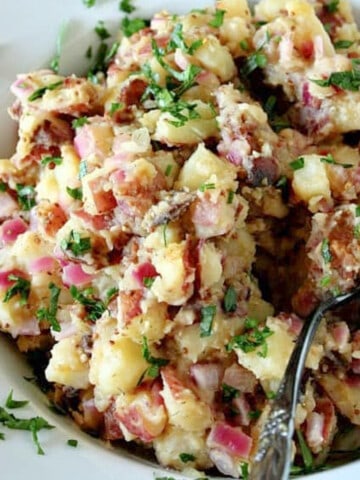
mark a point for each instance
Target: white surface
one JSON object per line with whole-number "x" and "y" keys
{"x": 28, "y": 32}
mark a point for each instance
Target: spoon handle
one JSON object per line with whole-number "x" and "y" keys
{"x": 273, "y": 457}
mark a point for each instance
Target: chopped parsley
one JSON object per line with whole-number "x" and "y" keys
{"x": 110, "y": 294}
{"x": 256, "y": 60}
{"x": 54, "y": 64}
{"x": 3, "y": 186}
{"x": 51, "y": 161}
{"x": 244, "y": 470}
{"x": 79, "y": 122}
{"x": 330, "y": 159}
{"x": 207, "y": 186}
{"x": 49, "y": 314}
{"x": 133, "y": 25}
{"x": 252, "y": 339}
{"x": 72, "y": 442}
{"x": 187, "y": 457}
{"x": 357, "y": 231}
{"x": 297, "y": 164}
{"x": 155, "y": 362}
{"x": 77, "y": 244}
{"x": 207, "y": 315}
{"x": 270, "y": 395}
{"x": 332, "y": 6}
{"x": 40, "y": 92}
{"x": 230, "y": 300}
{"x": 89, "y": 3}
{"x": 93, "y": 307}
{"x": 12, "y": 404}
{"x": 177, "y": 41}
{"x": 20, "y": 287}
{"x": 25, "y": 196}
{"x": 254, "y": 414}
{"x": 168, "y": 98}
{"x": 305, "y": 452}
{"x": 126, "y": 6}
{"x": 357, "y": 211}
{"x": 75, "y": 193}
{"x": 218, "y": 19}
{"x": 102, "y": 31}
{"x": 229, "y": 393}
{"x": 115, "y": 107}
{"x": 325, "y": 281}
{"x": 325, "y": 250}
{"x": 164, "y": 234}
{"x": 148, "y": 281}
{"x": 33, "y": 425}
{"x": 346, "y": 80}
{"x": 341, "y": 44}
{"x": 244, "y": 44}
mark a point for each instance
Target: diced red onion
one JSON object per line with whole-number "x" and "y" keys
{"x": 11, "y": 229}
{"x": 73, "y": 274}
{"x": 230, "y": 439}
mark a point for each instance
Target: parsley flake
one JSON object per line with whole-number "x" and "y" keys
{"x": 83, "y": 170}
{"x": 177, "y": 41}
{"x": 254, "y": 61}
{"x": 148, "y": 281}
{"x": 155, "y": 362}
{"x": 230, "y": 197}
{"x": 51, "y": 161}
{"x": 187, "y": 457}
{"x": 79, "y": 122}
{"x": 229, "y": 393}
{"x": 345, "y": 80}
{"x": 33, "y": 425}
{"x": 341, "y": 44}
{"x": 332, "y": 6}
{"x": 115, "y": 107}
{"x": 297, "y": 164}
{"x": 89, "y": 3}
{"x": 305, "y": 451}
{"x": 101, "y": 30}
{"x": 93, "y": 307}
{"x": 72, "y": 442}
{"x": 325, "y": 250}
{"x": 330, "y": 159}
{"x": 207, "y": 186}
{"x": 126, "y": 6}
{"x": 25, "y": 196}
{"x": 206, "y": 321}
{"x": 230, "y": 300}
{"x": 75, "y": 193}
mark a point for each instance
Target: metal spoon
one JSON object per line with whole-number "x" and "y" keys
{"x": 273, "y": 457}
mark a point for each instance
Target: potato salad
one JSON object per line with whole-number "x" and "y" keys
{"x": 170, "y": 219}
